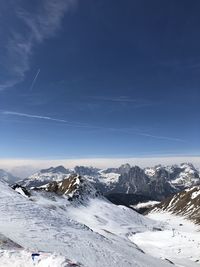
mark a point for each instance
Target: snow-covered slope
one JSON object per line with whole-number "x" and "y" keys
{"x": 52, "y": 231}
{"x": 185, "y": 203}
{"x": 179, "y": 242}
{"x": 104, "y": 217}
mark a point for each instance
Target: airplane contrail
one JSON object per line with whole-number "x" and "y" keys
{"x": 34, "y": 80}
{"x": 88, "y": 126}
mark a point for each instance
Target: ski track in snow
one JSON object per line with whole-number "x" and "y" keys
{"x": 179, "y": 242}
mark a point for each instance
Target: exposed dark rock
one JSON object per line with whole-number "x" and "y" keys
{"x": 126, "y": 199}
{"x": 185, "y": 203}
{"x": 26, "y": 192}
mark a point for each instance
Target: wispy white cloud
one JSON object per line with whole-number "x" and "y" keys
{"x": 133, "y": 131}
{"x": 134, "y": 102}
{"x": 163, "y": 137}
{"x": 34, "y": 80}
{"x": 40, "y": 117}
{"x": 47, "y": 19}
{"x": 36, "y": 26}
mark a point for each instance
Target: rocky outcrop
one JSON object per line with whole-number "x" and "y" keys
{"x": 21, "y": 190}
{"x": 185, "y": 203}
{"x": 136, "y": 181}
{"x": 89, "y": 171}
{"x": 73, "y": 187}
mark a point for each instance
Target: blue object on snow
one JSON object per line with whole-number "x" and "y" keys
{"x": 35, "y": 255}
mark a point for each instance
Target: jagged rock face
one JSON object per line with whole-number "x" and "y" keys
{"x": 73, "y": 187}
{"x": 185, "y": 203}
{"x": 159, "y": 187}
{"x": 135, "y": 181}
{"x": 184, "y": 175}
{"x": 124, "y": 168}
{"x": 156, "y": 182}
{"x": 90, "y": 171}
{"x": 65, "y": 187}
{"x": 21, "y": 190}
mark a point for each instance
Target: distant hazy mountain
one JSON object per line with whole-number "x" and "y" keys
{"x": 157, "y": 182}
{"x": 8, "y": 177}
{"x": 46, "y": 176}
{"x": 154, "y": 183}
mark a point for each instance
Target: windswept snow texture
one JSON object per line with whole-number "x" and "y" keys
{"x": 179, "y": 242}
{"x": 104, "y": 217}
{"x": 36, "y": 228}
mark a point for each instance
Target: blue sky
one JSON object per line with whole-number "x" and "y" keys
{"x": 99, "y": 78}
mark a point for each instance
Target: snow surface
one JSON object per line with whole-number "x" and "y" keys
{"x": 21, "y": 258}
{"x": 179, "y": 242}
{"x": 53, "y": 231}
{"x": 20, "y": 191}
{"x": 195, "y": 194}
{"x": 108, "y": 178}
{"x": 147, "y": 204}
{"x": 104, "y": 217}
{"x": 150, "y": 171}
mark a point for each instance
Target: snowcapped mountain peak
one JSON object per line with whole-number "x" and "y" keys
{"x": 187, "y": 165}
{"x": 155, "y": 182}
{"x": 124, "y": 168}
{"x": 83, "y": 170}
{"x": 46, "y": 176}
{"x": 73, "y": 187}
{"x": 58, "y": 169}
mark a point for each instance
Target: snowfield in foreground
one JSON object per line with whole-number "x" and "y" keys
{"x": 12, "y": 258}
{"x": 64, "y": 241}
{"x": 179, "y": 242}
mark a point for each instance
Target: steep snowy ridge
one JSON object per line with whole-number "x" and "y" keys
{"x": 73, "y": 187}
{"x": 61, "y": 230}
{"x": 185, "y": 203}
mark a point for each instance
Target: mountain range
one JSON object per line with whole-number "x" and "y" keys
{"x": 69, "y": 225}
{"x": 155, "y": 183}
{"x": 64, "y": 216}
